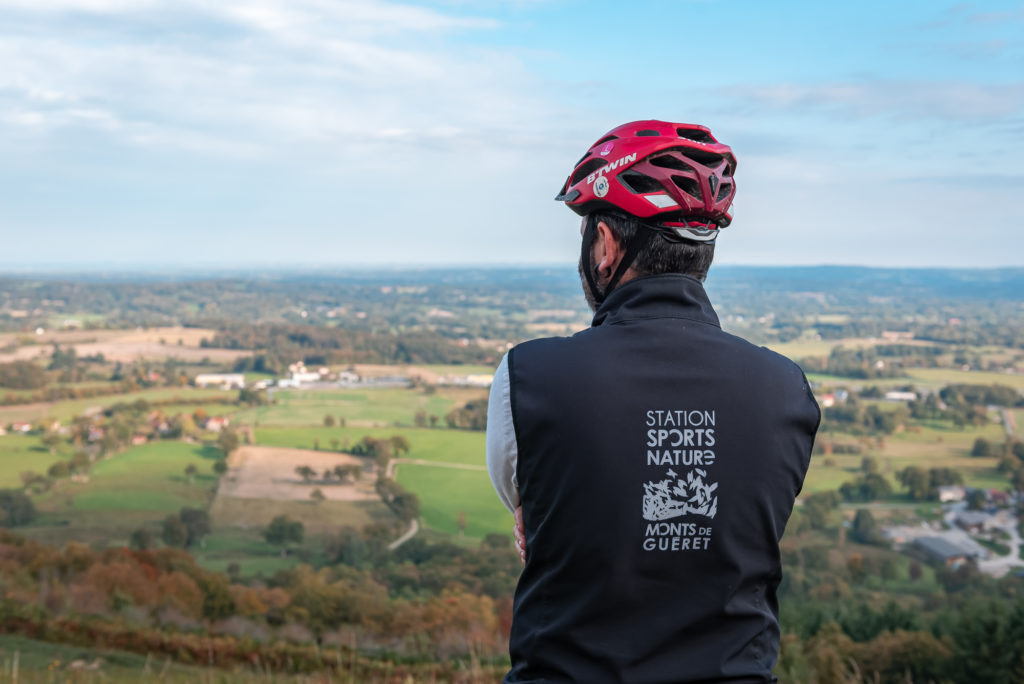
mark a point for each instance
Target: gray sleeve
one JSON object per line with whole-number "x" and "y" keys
{"x": 502, "y": 450}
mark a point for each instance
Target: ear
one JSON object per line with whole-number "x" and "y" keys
{"x": 608, "y": 251}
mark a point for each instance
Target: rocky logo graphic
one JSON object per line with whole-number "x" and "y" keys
{"x": 663, "y": 500}
{"x": 691, "y": 495}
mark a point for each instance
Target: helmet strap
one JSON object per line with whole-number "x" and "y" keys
{"x": 633, "y": 248}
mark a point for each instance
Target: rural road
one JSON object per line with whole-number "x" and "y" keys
{"x": 409, "y": 534}
{"x": 1009, "y": 422}
{"x": 393, "y": 463}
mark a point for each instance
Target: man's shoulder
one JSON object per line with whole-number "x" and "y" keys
{"x": 763, "y": 359}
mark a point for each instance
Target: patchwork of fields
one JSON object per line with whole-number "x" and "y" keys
{"x": 141, "y": 486}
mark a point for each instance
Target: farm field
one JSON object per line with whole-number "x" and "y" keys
{"x": 453, "y": 446}
{"x": 67, "y": 409}
{"x": 445, "y": 492}
{"x": 136, "y": 488}
{"x": 938, "y": 446}
{"x": 121, "y": 345}
{"x": 367, "y": 407}
{"x": 19, "y": 453}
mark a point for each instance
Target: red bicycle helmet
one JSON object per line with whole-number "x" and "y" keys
{"x": 674, "y": 178}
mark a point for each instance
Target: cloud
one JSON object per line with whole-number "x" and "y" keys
{"x": 904, "y": 100}
{"x": 269, "y": 74}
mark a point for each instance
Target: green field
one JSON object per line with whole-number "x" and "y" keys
{"x": 452, "y": 446}
{"x": 932, "y": 445}
{"x": 938, "y": 377}
{"x": 136, "y": 488}
{"x": 445, "y": 492}
{"x": 64, "y": 411}
{"x": 19, "y": 453}
{"x": 366, "y": 407}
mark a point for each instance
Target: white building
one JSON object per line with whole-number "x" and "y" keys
{"x": 221, "y": 380}
{"x": 949, "y": 493}
{"x": 895, "y": 395}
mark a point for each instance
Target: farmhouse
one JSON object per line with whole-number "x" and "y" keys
{"x": 941, "y": 549}
{"x": 949, "y": 493}
{"x": 221, "y": 380}
{"x": 974, "y": 521}
{"x": 216, "y": 424}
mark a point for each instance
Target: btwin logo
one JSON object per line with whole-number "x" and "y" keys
{"x": 621, "y": 161}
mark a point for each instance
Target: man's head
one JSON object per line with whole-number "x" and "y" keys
{"x": 654, "y": 196}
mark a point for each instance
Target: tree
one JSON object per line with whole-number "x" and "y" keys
{"x": 341, "y": 421}
{"x": 817, "y": 507}
{"x": 306, "y": 473}
{"x": 869, "y": 465}
{"x": 227, "y": 441}
{"x": 174, "y": 532}
{"x": 460, "y": 521}
{"x": 220, "y": 466}
{"x": 855, "y": 564}
{"x": 399, "y": 444}
{"x": 59, "y": 469}
{"x": 342, "y": 472}
{"x": 406, "y": 506}
{"x": 915, "y": 571}
{"x": 16, "y": 508}
{"x": 284, "y": 531}
{"x": 916, "y": 481}
{"x": 51, "y": 440}
{"x": 420, "y": 418}
{"x": 316, "y": 495}
{"x": 190, "y": 472}
{"x": 141, "y": 539}
{"x": 865, "y": 488}
{"x": 865, "y": 529}
{"x": 328, "y": 420}
{"x": 334, "y": 443}
{"x": 981, "y": 448}
{"x": 196, "y": 522}
{"x": 976, "y": 499}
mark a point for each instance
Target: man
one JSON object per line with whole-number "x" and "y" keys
{"x": 655, "y": 458}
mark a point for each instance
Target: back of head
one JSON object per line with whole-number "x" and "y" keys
{"x": 674, "y": 180}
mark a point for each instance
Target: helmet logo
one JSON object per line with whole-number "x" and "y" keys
{"x": 713, "y": 182}
{"x": 601, "y": 186}
{"x": 606, "y": 148}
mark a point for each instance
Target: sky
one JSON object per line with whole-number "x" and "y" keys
{"x": 278, "y": 133}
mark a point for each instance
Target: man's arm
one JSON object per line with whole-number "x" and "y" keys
{"x": 502, "y": 450}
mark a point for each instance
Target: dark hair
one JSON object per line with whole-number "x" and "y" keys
{"x": 659, "y": 255}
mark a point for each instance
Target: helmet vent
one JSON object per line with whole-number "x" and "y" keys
{"x": 667, "y": 161}
{"x": 688, "y": 185}
{"x": 647, "y": 132}
{"x": 696, "y": 135}
{"x": 638, "y": 183}
{"x": 705, "y": 158}
{"x": 723, "y": 191}
{"x": 605, "y": 139}
{"x": 587, "y": 169}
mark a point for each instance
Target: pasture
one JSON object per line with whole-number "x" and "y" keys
{"x": 452, "y": 446}
{"x": 932, "y": 445}
{"x": 445, "y": 492}
{"x": 19, "y": 453}
{"x": 360, "y": 407}
{"x": 136, "y": 488}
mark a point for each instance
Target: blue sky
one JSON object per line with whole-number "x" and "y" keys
{"x": 329, "y": 132}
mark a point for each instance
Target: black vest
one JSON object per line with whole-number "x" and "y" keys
{"x": 659, "y": 459}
